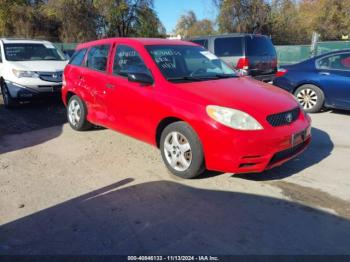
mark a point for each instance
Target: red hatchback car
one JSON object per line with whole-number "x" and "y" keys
{"x": 183, "y": 99}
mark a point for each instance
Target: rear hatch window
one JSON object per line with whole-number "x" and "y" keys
{"x": 261, "y": 55}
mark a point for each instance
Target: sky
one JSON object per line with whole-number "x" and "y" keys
{"x": 169, "y": 11}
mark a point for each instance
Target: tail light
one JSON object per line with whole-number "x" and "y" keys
{"x": 243, "y": 63}
{"x": 281, "y": 72}
{"x": 274, "y": 62}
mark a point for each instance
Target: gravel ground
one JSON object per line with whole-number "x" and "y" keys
{"x": 100, "y": 192}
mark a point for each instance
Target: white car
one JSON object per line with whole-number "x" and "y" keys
{"x": 29, "y": 69}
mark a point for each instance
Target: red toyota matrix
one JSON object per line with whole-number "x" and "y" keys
{"x": 181, "y": 98}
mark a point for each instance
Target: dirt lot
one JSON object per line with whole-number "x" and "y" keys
{"x": 100, "y": 192}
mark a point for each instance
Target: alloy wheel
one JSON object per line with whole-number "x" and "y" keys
{"x": 177, "y": 151}
{"x": 307, "y": 98}
{"x": 74, "y": 112}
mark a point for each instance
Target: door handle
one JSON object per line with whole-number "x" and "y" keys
{"x": 324, "y": 73}
{"x": 110, "y": 86}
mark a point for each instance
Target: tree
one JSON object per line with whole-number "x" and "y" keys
{"x": 292, "y": 22}
{"x": 148, "y": 24}
{"x": 286, "y": 23}
{"x": 188, "y": 26}
{"x": 75, "y": 19}
{"x": 127, "y": 18}
{"x": 7, "y": 8}
{"x": 243, "y": 16}
{"x": 185, "y": 22}
{"x": 202, "y": 27}
{"x": 330, "y": 18}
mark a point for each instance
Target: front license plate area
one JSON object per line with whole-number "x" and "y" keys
{"x": 298, "y": 138}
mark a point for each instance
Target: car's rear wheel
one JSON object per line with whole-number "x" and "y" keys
{"x": 310, "y": 97}
{"x": 9, "y": 102}
{"x": 76, "y": 114}
{"x": 181, "y": 150}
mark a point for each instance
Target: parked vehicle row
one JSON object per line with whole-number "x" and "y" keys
{"x": 183, "y": 99}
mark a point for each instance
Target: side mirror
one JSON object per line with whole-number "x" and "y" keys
{"x": 140, "y": 78}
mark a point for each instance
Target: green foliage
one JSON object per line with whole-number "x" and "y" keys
{"x": 75, "y": 19}
{"x": 79, "y": 20}
{"x": 243, "y": 16}
{"x": 127, "y": 18}
{"x": 8, "y": 15}
{"x": 287, "y": 21}
{"x": 148, "y": 24}
{"x": 188, "y": 26}
{"x": 333, "y": 20}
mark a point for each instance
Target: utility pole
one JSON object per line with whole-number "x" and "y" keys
{"x": 314, "y": 41}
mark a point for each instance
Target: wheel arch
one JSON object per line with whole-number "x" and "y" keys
{"x": 162, "y": 125}
{"x": 307, "y": 83}
{"x": 68, "y": 96}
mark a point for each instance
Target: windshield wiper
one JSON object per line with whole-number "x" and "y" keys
{"x": 225, "y": 76}
{"x": 185, "y": 78}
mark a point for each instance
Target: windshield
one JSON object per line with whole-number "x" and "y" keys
{"x": 181, "y": 63}
{"x": 32, "y": 52}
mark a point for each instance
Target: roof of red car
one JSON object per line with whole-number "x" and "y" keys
{"x": 142, "y": 41}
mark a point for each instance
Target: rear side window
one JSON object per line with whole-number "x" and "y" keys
{"x": 78, "y": 57}
{"x": 228, "y": 46}
{"x": 127, "y": 60}
{"x": 202, "y": 42}
{"x": 97, "y": 57}
{"x": 336, "y": 62}
{"x": 260, "y": 46}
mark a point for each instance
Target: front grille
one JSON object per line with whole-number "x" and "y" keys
{"x": 51, "y": 76}
{"x": 288, "y": 153}
{"x": 284, "y": 118}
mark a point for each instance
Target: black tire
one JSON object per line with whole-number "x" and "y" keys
{"x": 82, "y": 124}
{"x": 9, "y": 102}
{"x": 197, "y": 165}
{"x": 312, "y": 92}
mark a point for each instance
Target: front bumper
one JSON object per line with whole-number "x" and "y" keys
{"x": 21, "y": 92}
{"x": 235, "y": 151}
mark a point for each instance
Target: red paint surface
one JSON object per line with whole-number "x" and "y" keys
{"x": 137, "y": 110}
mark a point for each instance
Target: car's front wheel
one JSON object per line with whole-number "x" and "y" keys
{"x": 76, "y": 114}
{"x": 9, "y": 102}
{"x": 310, "y": 97}
{"x": 181, "y": 150}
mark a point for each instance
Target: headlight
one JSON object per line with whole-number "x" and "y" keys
{"x": 20, "y": 73}
{"x": 233, "y": 118}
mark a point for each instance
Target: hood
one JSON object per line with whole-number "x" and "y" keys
{"x": 242, "y": 93}
{"x": 39, "y": 66}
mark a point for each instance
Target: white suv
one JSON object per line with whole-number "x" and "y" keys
{"x": 29, "y": 69}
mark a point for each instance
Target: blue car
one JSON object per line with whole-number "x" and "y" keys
{"x": 319, "y": 82}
